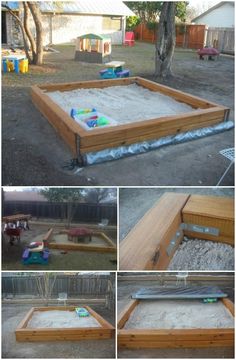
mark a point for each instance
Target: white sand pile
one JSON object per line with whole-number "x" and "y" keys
{"x": 179, "y": 314}
{"x": 124, "y": 104}
{"x": 61, "y": 319}
{"x": 195, "y": 254}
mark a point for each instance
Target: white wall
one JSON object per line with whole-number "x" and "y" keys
{"x": 60, "y": 29}
{"x": 66, "y": 28}
{"x": 222, "y": 16}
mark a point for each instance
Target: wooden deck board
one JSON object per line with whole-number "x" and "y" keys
{"x": 144, "y": 248}
{"x": 211, "y": 211}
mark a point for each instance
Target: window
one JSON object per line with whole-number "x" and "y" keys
{"x": 111, "y": 23}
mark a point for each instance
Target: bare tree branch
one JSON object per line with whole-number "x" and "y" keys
{"x": 36, "y": 13}
{"x": 28, "y": 32}
{"x": 165, "y": 45}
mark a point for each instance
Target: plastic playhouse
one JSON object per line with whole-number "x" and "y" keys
{"x": 35, "y": 253}
{"x": 93, "y": 48}
{"x": 114, "y": 70}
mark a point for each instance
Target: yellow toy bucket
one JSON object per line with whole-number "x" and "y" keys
{"x": 10, "y": 65}
{"x": 24, "y": 66}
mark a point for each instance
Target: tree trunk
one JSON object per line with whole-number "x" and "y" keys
{"x": 28, "y": 32}
{"x": 35, "y": 11}
{"x": 165, "y": 44}
{"x": 26, "y": 48}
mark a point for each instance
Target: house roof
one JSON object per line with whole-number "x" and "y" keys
{"x": 91, "y": 7}
{"x": 213, "y": 8}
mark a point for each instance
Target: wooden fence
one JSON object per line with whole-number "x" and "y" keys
{"x": 221, "y": 39}
{"x": 187, "y": 36}
{"x": 74, "y": 286}
{"x": 89, "y": 213}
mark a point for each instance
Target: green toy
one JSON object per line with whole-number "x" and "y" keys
{"x": 210, "y": 300}
{"x": 81, "y": 312}
{"x": 102, "y": 121}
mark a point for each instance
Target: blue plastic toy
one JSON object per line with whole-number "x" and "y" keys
{"x": 75, "y": 112}
{"x": 90, "y": 117}
{"x": 30, "y": 257}
{"x": 81, "y": 312}
{"x": 92, "y": 123}
{"x": 113, "y": 73}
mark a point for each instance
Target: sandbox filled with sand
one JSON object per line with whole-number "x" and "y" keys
{"x": 95, "y": 240}
{"x": 179, "y": 314}
{"x": 61, "y": 319}
{"x": 125, "y": 104}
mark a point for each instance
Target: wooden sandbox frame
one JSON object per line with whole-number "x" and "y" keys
{"x": 172, "y": 338}
{"x": 153, "y": 241}
{"x": 109, "y": 248}
{"x": 106, "y": 331}
{"x": 81, "y": 141}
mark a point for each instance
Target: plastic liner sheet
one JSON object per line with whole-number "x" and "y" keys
{"x": 183, "y": 292}
{"x": 142, "y": 147}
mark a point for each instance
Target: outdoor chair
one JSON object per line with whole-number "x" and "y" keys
{"x": 62, "y": 297}
{"x": 229, "y": 154}
{"x": 129, "y": 38}
{"x": 103, "y": 223}
{"x": 181, "y": 277}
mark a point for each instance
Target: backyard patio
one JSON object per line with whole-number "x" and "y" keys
{"x": 29, "y": 139}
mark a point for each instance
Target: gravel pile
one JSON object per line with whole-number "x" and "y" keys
{"x": 195, "y": 254}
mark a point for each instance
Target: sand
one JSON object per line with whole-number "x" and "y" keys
{"x": 179, "y": 314}
{"x": 60, "y": 319}
{"x": 124, "y": 104}
{"x": 63, "y": 239}
{"x": 195, "y": 254}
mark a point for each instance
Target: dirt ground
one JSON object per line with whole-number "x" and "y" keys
{"x": 13, "y": 314}
{"x": 124, "y": 292}
{"x": 33, "y": 153}
{"x": 58, "y": 260}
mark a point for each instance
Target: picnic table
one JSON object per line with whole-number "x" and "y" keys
{"x": 114, "y": 70}
{"x": 17, "y": 217}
